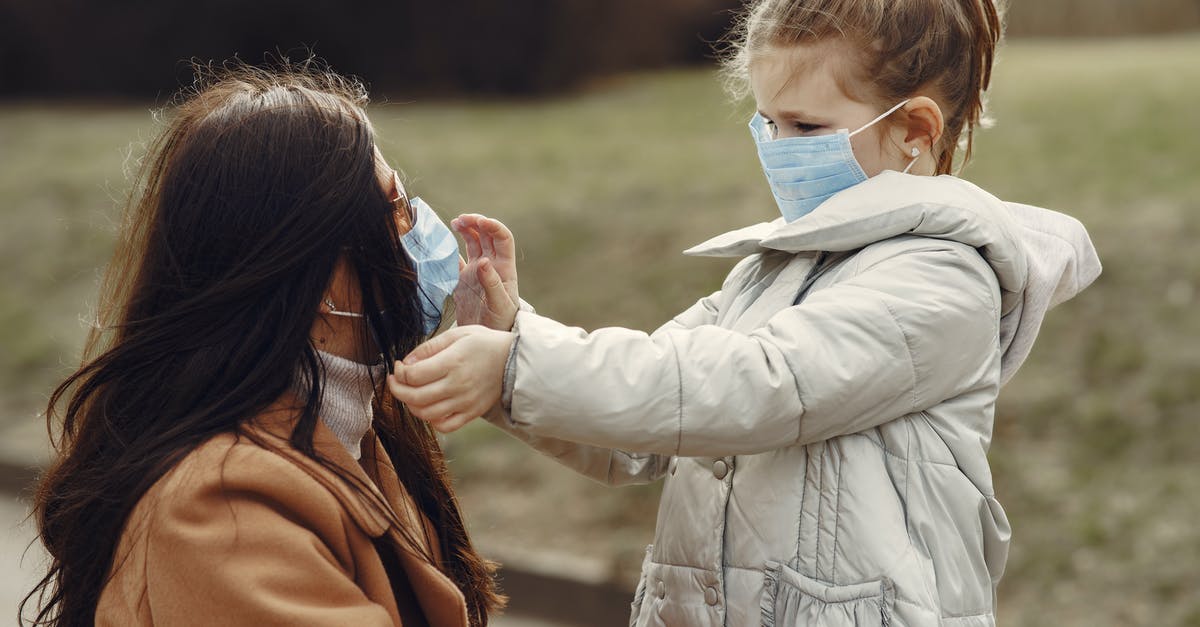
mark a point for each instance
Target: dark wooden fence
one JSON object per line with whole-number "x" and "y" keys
{"x": 139, "y": 48}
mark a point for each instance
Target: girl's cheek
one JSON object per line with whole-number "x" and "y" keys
{"x": 869, "y": 158}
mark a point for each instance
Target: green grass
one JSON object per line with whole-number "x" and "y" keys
{"x": 1096, "y": 439}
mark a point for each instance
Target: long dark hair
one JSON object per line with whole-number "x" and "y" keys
{"x": 261, "y": 181}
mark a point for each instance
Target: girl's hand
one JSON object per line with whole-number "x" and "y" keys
{"x": 453, "y": 378}
{"x": 487, "y": 285}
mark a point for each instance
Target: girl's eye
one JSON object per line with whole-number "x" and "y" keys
{"x": 800, "y": 127}
{"x": 771, "y": 128}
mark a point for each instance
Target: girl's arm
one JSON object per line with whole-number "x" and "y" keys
{"x": 609, "y": 466}
{"x": 486, "y": 295}
{"x": 913, "y": 329}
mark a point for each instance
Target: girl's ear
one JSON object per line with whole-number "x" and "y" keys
{"x": 925, "y": 125}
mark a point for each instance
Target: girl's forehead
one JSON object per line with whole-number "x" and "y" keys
{"x": 805, "y": 76}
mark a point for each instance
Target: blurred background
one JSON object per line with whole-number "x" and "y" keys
{"x": 598, "y": 130}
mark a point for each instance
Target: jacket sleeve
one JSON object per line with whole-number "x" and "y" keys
{"x": 246, "y": 545}
{"x": 610, "y": 466}
{"x": 903, "y": 334}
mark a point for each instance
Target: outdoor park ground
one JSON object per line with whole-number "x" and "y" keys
{"x": 1096, "y": 441}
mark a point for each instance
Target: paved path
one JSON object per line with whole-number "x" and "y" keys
{"x": 19, "y": 568}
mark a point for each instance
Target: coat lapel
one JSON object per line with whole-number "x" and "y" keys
{"x": 441, "y": 601}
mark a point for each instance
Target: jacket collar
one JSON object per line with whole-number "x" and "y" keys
{"x": 1041, "y": 258}
{"x": 886, "y": 206}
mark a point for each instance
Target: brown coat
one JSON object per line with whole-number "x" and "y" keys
{"x": 237, "y": 534}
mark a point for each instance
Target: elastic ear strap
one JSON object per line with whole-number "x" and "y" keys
{"x": 333, "y": 311}
{"x": 876, "y": 120}
{"x": 345, "y": 314}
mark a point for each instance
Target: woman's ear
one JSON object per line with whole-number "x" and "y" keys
{"x": 343, "y": 287}
{"x": 925, "y": 125}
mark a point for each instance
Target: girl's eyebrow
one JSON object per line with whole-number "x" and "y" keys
{"x": 795, "y": 114}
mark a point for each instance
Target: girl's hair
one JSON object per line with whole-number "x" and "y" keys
{"x": 945, "y": 47}
{"x": 260, "y": 182}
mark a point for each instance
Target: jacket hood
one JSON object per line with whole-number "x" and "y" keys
{"x": 1041, "y": 258}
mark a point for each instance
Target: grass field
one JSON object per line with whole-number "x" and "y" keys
{"x": 1097, "y": 439}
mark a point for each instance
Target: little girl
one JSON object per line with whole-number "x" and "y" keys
{"x": 822, "y": 422}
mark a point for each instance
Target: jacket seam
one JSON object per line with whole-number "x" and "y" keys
{"x": 797, "y": 376}
{"x": 700, "y": 568}
{"x": 908, "y": 440}
{"x": 837, "y": 517}
{"x": 679, "y": 380}
{"x": 918, "y": 460}
{"x": 800, "y": 510}
{"x": 820, "y": 506}
{"x": 947, "y": 247}
{"x": 930, "y": 462}
{"x": 972, "y": 614}
{"x": 912, "y": 360}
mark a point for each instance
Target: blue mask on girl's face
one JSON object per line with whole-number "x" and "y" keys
{"x": 434, "y": 253}
{"x": 805, "y": 171}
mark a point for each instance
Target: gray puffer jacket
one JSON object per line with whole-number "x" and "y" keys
{"x": 823, "y": 421}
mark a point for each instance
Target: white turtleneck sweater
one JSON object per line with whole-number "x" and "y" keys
{"x": 347, "y": 392}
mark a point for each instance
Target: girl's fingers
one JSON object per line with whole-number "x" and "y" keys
{"x": 493, "y": 287}
{"x": 494, "y": 237}
{"x": 453, "y": 423}
{"x": 418, "y": 396}
{"x": 439, "y": 411}
{"x": 425, "y": 372}
{"x": 401, "y": 392}
{"x": 468, "y": 227}
{"x": 502, "y": 238}
{"x": 433, "y": 346}
{"x": 486, "y": 241}
{"x": 471, "y": 237}
{"x": 462, "y": 223}
{"x": 470, "y": 219}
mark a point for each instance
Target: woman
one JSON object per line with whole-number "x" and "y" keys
{"x": 223, "y": 457}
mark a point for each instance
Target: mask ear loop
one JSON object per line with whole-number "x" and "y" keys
{"x": 385, "y": 352}
{"x": 333, "y": 311}
{"x": 877, "y": 120}
{"x": 916, "y": 153}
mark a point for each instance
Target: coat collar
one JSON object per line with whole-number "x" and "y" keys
{"x": 440, "y": 598}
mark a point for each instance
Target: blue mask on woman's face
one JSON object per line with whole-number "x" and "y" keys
{"x": 434, "y": 253}
{"x": 805, "y": 171}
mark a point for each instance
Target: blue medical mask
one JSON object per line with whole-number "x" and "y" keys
{"x": 805, "y": 171}
{"x": 434, "y": 253}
